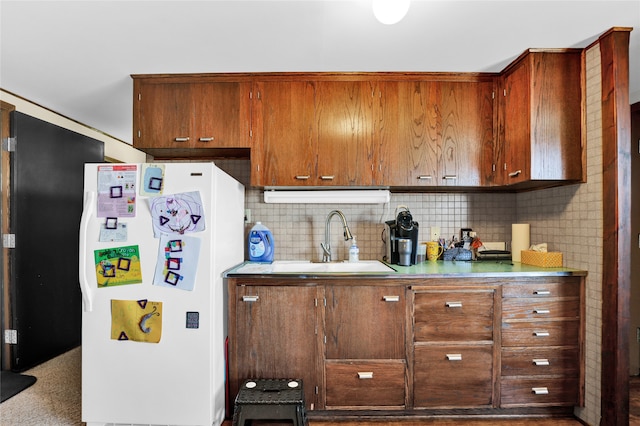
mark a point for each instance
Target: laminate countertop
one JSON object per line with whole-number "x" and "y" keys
{"x": 428, "y": 269}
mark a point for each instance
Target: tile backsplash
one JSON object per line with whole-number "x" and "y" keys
{"x": 299, "y": 229}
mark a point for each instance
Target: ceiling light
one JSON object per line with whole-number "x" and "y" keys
{"x": 365, "y": 196}
{"x": 390, "y": 12}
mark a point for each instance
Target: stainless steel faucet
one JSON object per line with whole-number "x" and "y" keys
{"x": 326, "y": 246}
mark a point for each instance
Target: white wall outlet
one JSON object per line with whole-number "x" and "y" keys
{"x": 435, "y": 233}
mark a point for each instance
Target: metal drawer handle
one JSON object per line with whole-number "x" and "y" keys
{"x": 449, "y": 177}
{"x": 516, "y": 173}
{"x": 454, "y": 357}
{"x": 424, "y": 177}
{"x": 541, "y": 333}
{"x": 326, "y": 177}
{"x": 541, "y": 361}
{"x": 541, "y": 311}
{"x": 540, "y": 391}
{"x": 365, "y": 375}
{"x": 302, "y": 177}
{"x": 250, "y": 298}
{"x": 541, "y": 292}
{"x": 453, "y": 304}
{"x": 391, "y": 298}
{"x": 181, "y": 139}
{"x": 209, "y": 139}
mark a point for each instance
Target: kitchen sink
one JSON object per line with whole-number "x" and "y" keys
{"x": 290, "y": 266}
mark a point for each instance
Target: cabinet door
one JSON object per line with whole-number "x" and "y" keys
{"x": 556, "y": 116}
{"x": 284, "y": 151}
{"x": 217, "y": 119}
{"x": 453, "y": 376}
{"x": 276, "y": 335}
{"x": 365, "y": 322}
{"x": 191, "y": 115}
{"x": 164, "y": 112}
{"x": 386, "y": 147}
{"x": 467, "y": 131}
{"x": 344, "y": 131}
{"x": 516, "y": 138}
{"x": 419, "y": 132}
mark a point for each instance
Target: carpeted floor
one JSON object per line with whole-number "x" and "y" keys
{"x": 54, "y": 399}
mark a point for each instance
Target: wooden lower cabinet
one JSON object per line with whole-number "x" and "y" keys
{"x": 542, "y": 328}
{"x": 453, "y": 346}
{"x": 273, "y": 334}
{"x": 365, "y": 352}
{"x": 365, "y": 384}
{"x": 400, "y": 347}
{"x": 453, "y": 376}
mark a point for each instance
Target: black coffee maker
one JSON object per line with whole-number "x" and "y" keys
{"x": 398, "y": 231}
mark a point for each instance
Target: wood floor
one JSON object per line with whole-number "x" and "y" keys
{"x": 634, "y": 417}
{"x": 442, "y": 422}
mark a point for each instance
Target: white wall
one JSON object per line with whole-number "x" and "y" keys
{"x": 114, "y": 149}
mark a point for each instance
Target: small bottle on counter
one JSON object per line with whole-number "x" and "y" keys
{"x": 354, "y": 251}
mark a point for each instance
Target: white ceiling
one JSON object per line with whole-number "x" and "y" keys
{"x": 76, "y": 57}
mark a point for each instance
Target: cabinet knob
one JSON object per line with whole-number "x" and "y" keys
{"x": 250, "y": 298}
{"x": 453, "y": 304}
{"x": 365, "y": 375}
{"x": 454, "y": 357}
{"x": 209, "y": 139}
{"x": 302, "y": 177}
{"x": 541, "y": 361}
{"x": 541, "y": 292}
{"x": 327, "y": 177}
{"x": 516, "y": 173}
{"x": 450, "y": 177}
{"x": 541, "y": 311}
{"x": 181, "y": 139}
{"x": 540, "y": 391}
{"x": 425, "y": 177}
{"x": 391, "y": 298}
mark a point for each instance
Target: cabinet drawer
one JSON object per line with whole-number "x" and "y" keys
{"x": 540, "y": 333}
{"x": 453, "y": 316}
{"x": 537, "y": 308}
{"x": 568, "y": 287}
{"x": 365, "y": 383}
{"x": 540, "y": 361}
{"x": 538, "y": 392}
{"x": 453, "y": 376}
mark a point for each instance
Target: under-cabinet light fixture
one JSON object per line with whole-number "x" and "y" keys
{"x": 364, "y": 196}
{"x": 390, "y": 12}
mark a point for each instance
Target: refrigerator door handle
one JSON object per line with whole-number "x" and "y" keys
{"x": 87, "y": 212}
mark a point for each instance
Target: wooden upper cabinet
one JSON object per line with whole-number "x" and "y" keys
{"x": 385, "y": 132}
{"x": 445, "y": 128}
{"x": 541, "y": 118}
{"x": 344, "y": 130}
{"x": 284, "y": 139}
{"x": 467, "y": 131}
{"x": 419, "y": 133}
{"x": 192, "y": 115}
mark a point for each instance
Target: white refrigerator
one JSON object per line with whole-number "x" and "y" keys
{"x": 154, "y": 242}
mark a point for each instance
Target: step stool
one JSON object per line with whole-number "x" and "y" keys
{"x": 270, "y": 399}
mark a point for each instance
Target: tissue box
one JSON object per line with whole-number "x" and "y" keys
{"x": 551, "y": 259}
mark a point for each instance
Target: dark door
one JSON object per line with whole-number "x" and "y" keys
{"x": 45, "y": 208}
